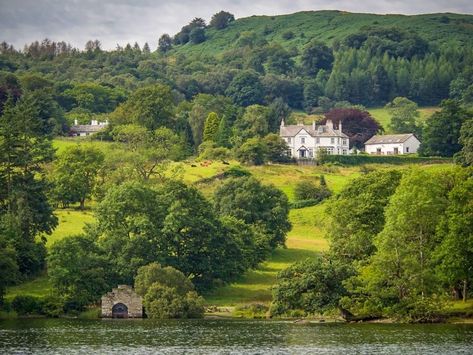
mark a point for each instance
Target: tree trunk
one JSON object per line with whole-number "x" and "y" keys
{"x": 465, "y": 290}
{"x": 82, "y": 203}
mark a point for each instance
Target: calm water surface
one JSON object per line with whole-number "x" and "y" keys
{"x": 63, "y": 336}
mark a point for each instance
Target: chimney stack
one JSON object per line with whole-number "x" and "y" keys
{"x": 329, "y": 123}
{"x": 282, "y": 123}
{"x": 313, "y": 125}
{"x": 340, "y": 127}
{"x": 75, "y": 123}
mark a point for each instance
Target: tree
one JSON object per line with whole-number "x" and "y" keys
{"x": 211, "y": 127}
{"x": 24, "y": 208}
{"x": 264, "y": 207}
{"x": 221, "y": 20}
{"x": 150, "y": 106}
{"x": 80, "y": 270}
{"x": 149, "y": 152}
{"x": 316, "y": 56}
{"x": 253, "y": 123}
{"x": 75, "y": 174}
{"x": 357, "y": 215}
{"x": 401, "y": 269}
{"x": 245, "y": 89}
{"x": 197, "y": 35}
{"x": 455, "y": 253}
{"x": 358, "y": 125}
{"x": 278, "y": 111}
{"x": 403, "y": 115}
{"x": 276, "y": 148}
{"x": 167, "y": 276}
{"x": 8, "y": 265}
{"x": 465, "y": 156}
{"x": 252, "y": 152}
{"x": 313, "y": 286}
{"x": 164, "y": 43}
{"x": 163, "y": 302}
{"x": 442, "y": 131}
{"x": 308, "y": 190}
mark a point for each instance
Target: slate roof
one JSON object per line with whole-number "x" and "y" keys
{"x": 389, "y": 138}
{"x": 293, "y": 130}
{"x": 85, "y": 128}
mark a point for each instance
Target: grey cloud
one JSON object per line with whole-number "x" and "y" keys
{"x": 121, "y": 21}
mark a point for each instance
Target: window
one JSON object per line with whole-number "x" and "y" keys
{"x": 302, "y": 140}
{"x": 407, "y": 149}
{"x": 344, "y": 152}
{"x": 289, "y": 139}
{"x": 332, "y": 140}
{"x": 330, "y": 150}
{"x": 396, "y": 150}
{"x": 317, "y": 140}
{"x": 344, "y": 141}
{"x": 378, "y": 151}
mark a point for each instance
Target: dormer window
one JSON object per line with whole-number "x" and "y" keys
{"x": 320, "y": 129}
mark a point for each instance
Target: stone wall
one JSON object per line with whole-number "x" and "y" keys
{"x": 126, "y": 295}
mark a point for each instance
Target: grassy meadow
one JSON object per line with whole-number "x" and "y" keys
{"x": 306, "y": 239}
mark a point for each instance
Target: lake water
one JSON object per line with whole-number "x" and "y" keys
{"x": 70, "y": 336}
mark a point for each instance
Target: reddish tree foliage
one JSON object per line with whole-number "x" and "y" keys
{"x": 358, "y": 125}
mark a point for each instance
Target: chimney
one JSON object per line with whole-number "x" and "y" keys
{"x": 340, "y": 127}
{"x": 313, "y": 125}
{"x": 329, "y": 123}
{"x": 75, "y": 123}
{"x": 282, "y": 123}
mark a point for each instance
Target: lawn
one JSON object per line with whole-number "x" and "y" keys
{"x": 383, "y": 117}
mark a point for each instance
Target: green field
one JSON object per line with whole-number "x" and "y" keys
{"x": 382, "y": 116}
{"x": 306, "y": 239}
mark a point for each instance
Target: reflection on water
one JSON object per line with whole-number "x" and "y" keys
{"x": 67, "y": 336}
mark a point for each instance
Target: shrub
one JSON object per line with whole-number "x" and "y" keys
{"x": 254, "y": 311}
{"x": 236, "y": 171}
{"x": 163, "y": 302}
{"x": 308, "y": 190}
{"x": 52, "y": 306}
{"x": 288, "y": 35}
{"x": 252, "y": 152}
{"x": 303, "y": 203}
{"x": 166, "y": 276}
{"x": 25, "y": 305}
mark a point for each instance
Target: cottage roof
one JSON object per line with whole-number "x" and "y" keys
{"x": 85, "y": 128}
{"x": 389, "y": 138}
{"x": 293, "y": 130}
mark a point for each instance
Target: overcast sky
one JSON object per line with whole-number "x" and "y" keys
{"x": 122, "y": 21}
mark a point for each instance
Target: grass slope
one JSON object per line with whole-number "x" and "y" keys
{"x": 329, "y": 26}
{"x": 306, "y": 239}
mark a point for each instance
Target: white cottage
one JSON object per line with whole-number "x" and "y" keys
{"x": 83, "y": 130}
{"x": 392, "y": 144}
{"x": 304, "y": 141}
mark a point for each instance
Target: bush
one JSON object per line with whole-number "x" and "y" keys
{"x": 236, "y": 171}
{"x": 163, "y": 302}
{"x": 252, "y": 152}
{"x": 52, "y": 306}
{"x": 288, "y": 35}
{"x": 308, "y": 190}
{"x": 254, "y": 311}
{"x": 303, "y": 203}
{"x": 26, "y": 305}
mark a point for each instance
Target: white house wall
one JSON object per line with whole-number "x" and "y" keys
{"x": 410, "y": 146}
{"x": 314, "y": 143}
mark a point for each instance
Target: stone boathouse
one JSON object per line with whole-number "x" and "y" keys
{"x": 122, "y": 302}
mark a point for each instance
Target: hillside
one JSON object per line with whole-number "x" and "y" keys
{"x": 330, "y": 26}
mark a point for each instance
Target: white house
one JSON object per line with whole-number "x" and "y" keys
{"x": 304, "y": 141}
{"x": 392, "y": 144}
{"x": 83, "y": 130}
